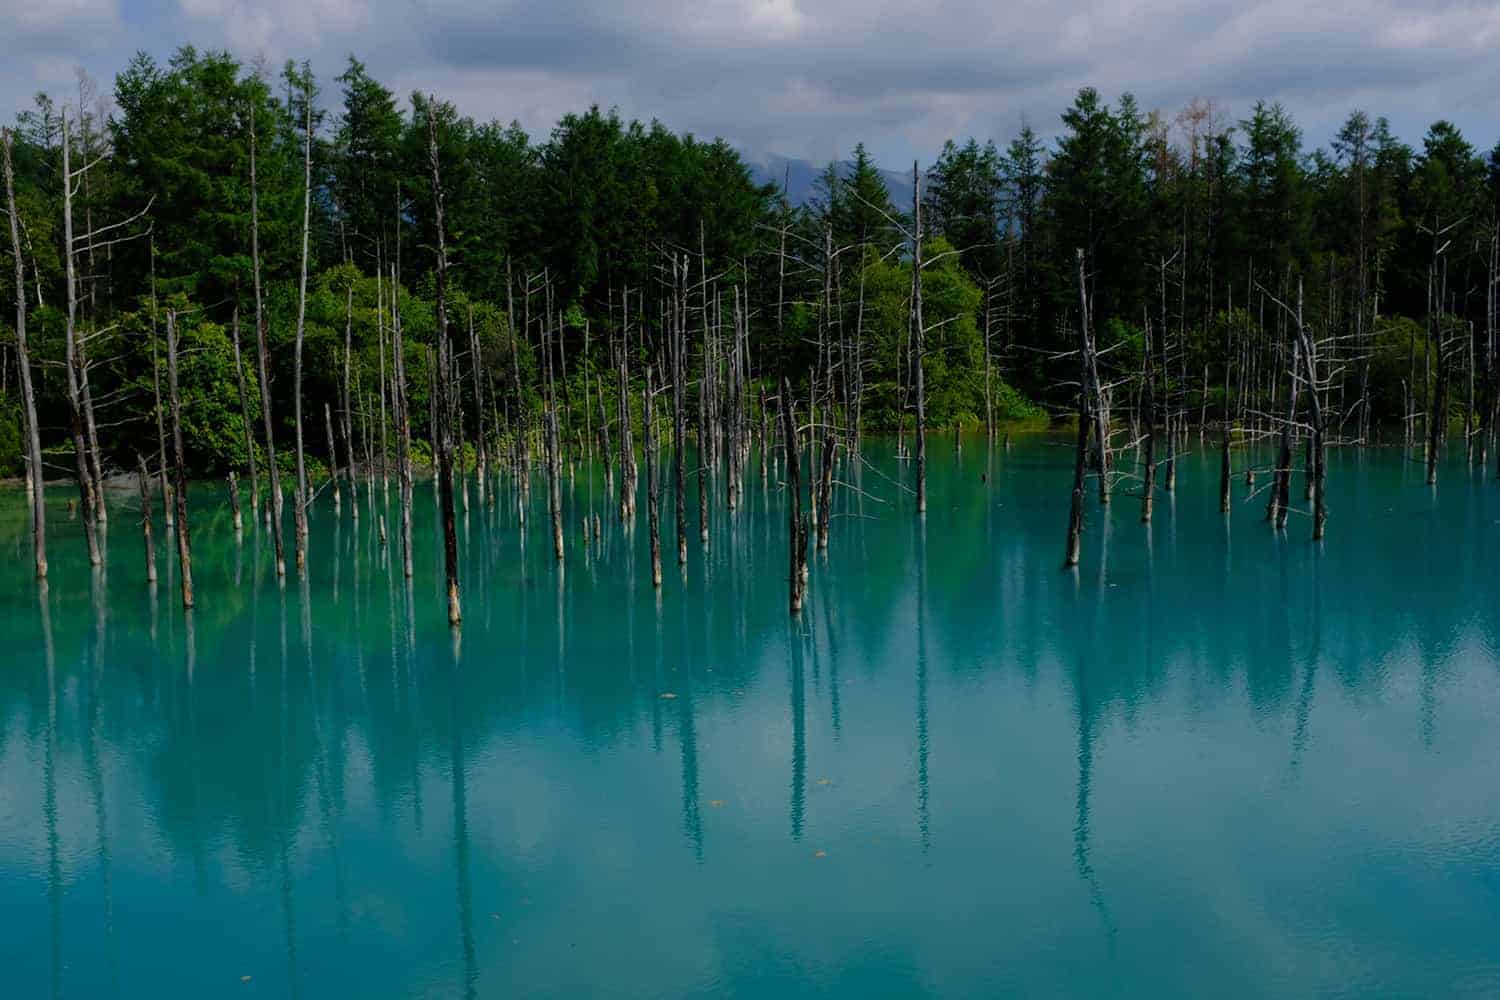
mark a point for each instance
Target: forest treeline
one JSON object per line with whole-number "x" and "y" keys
{"x": 1183, "y": 218}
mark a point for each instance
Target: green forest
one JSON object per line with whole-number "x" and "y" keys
{"x": 567, "y": 251}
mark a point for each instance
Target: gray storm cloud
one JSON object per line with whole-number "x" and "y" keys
{"x": 809, "y": 79}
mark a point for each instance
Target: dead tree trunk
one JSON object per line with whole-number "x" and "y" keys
{"x": 1080, "y": 455}
{"x": 1281, "y": 487}
{"x": 678, "y": 348}
{"x": 333, "y": 461}
{"x": 796, "y": 527}
{"x": 263, "y": 364}
{"x": 476, "y": 358}
{"x": 87, "y": 486}
{"x": 179, "y": 466}
{"x": 1225, "y": 471}
{"x": 23, "y": 362}
{"x": 444, "y": 377}
{"x": 1148, "y": 486}
{"x": 145, "y": 484}
{"x": 653, "y": 485}
{"x": 303, "y": 498}
{"x": 346, "y": 419}
{"x": 402, "y": 407}
{"x": 80, "y": 396}
{"x": 918, "y": 336}
{"x": 239, "y": 377}
{"x": 236, "y": 517}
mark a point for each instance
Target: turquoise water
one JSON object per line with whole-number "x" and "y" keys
{"x": 1210, "y": 762}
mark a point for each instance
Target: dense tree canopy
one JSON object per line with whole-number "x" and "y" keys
{"x": 552, "y": 239}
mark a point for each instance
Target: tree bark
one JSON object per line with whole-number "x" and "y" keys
{"x": 87, "y": 487}
{"x": 918, "y": 336}
{"x": 179, "y": 466}
{"x": 145, "y": 484}
{"x": 239, "y": 377}
{"x": 23, "y": 362}
{"x": 796, "y": 527}
{"x": 263, "y": 364}
{"x": 444, "y": 379}
{"x": 299, "y": 512}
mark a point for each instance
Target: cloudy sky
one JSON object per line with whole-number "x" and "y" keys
{"x": 809, "y": 78}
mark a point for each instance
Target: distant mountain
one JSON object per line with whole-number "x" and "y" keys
{"x": 801, "y": 176}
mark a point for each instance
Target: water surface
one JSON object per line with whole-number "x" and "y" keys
{"x": 1213, "y": 761}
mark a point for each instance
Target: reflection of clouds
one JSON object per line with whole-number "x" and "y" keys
{"x": 1197, "y": 687}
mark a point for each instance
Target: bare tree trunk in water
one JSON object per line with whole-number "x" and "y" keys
{"x": 825, "y": 486}
{"x": 1281, "y": 487}
{"x": 1225, "y": 472}
{"x": 179, "y": 466}
{"x": 678, "y": 342}
{"x": 346, "y": 419}
{"x": 797, "y": 528}
{"x": 239, "y": 377}
{"x": 653, "y": 486}
{"x": 1080, "y": 455}
{"x": 444, "y": 378}
{"x": 145, "y": 483}
{"x": 23, "y": 362}
{"x": 88, "y": 492}
{"x": 333, "y": 458}
{"x": 918, "y": 336}
{"x": 169, "y": 518}
{"x": 299, "y": 510}
{"x": 402, "y": 407}
{"x": 236, "y": 518}
{"x": 263, "y": 365}
{"x": 1148, "y": 486}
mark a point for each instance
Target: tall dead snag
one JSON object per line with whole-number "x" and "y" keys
{"x": 653, "y": 481}
{"x": 1148, "y": 485}
{"x": 1278, "y": 507}
{"x": 236, "y": 517}
{"x": 74, "y": 363}
{"x": 706, "y": 438}
{"x": 168, "y": 518}
{"x": 918, "y": 335}
{"x": 239, "y": 378}
{"x": 825, "y": 486}
{"x": 622, "y": 396}
{"x": 23, "y": 362}
{"x": 333, "y": 459}
{"x": 444, "y": 376}
{"x": 476, "y": 362}
{"x": 1080, "y": 454}
{"x": 401, "y": 407}
{"x": 677, "y": 339}
{"x": 179, "y": 465}
{"x": 1304, "y": 369}
{"x": 1228, "y": 421}
{"x": 346, "y": 418}
{"x": 80, "y": 398}
{"x": 145, "y": 483}
{"x": 823, "y": 483}
{"x": 550, "y": 434}
{"x": 263, "y": 363}
{"x": 303, "y": 498}
{"x": 796, "y": 527}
